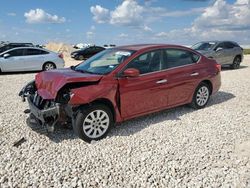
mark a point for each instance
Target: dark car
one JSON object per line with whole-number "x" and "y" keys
{"x": 86, "y": 52}
{"x": 119, "y": 84}
{"x": 7, "y": 46}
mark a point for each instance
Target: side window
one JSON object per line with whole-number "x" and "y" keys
{"x": 148, "y": 62}
{"x": 32, "y": 52}
{"x": 220, "y": 45}
{"x": 176, "y": 58}
{"x": 35, "y": 52}
{"x": 18, "y": 52}
{"x": 88, "y": 50}
{"x": 43, "y": 52}
{"x": 229, "y": 45}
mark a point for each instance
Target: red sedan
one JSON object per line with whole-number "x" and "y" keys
{"x": 119, "y": 84}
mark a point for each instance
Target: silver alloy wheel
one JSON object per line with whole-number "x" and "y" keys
{"x": 49, "y": 66}
{"x": 96, "y": 124}
{"x": 202, "y": 96}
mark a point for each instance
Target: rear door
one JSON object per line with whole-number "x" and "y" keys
{"x": 34, "y": 59}
{"x": 223, "y": 56}
{"x": 15, "y": 61}
{"x": 182, "y": 72}
{"x": 231, "y": 52}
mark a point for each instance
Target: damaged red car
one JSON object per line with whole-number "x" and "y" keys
{"x": 119, "y": 84}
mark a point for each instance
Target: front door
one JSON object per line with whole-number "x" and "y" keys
{"x": 147, "y": 92}
{"x": 14, "y": 62}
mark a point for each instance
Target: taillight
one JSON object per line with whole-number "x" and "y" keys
{"x": 218, "y": 67}
{"x": 60, "y": 55}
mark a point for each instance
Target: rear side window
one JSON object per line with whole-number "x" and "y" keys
{"x": 35, "y": 52}
{"x": 229, "y": 45}
{"x": 176, "y": 58}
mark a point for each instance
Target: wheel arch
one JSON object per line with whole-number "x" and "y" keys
{"x": 209, "y": 83}
{"x": 239, "y": 55}
{"x": 107, "y": 103}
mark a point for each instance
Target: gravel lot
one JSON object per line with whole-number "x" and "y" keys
{"x": 180, "y": 147}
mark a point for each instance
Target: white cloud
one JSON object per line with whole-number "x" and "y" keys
{"x": 129, "y": 13}
{"x": 40, "y": 16}
{"x": 101, "y": 15}
{"x": 11, "y": 14}
{"x": 146, "y": 28}
{"x": 225, "y": 17}
{"x": 123, "y": 35}
{"x": 220, "y": 21}
{"x": 162, "y": 35}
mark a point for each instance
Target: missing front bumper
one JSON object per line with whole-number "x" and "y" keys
{"x": 45, "y": 117}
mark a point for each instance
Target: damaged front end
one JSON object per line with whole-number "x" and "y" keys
{"x": 47, "y": 112}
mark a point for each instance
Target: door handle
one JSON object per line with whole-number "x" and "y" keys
{"x": 194, "y": 74}
{"x": 162, "y": 81}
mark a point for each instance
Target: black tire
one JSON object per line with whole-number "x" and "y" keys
{"x": 49, "y": 66}
{"x": 199, "y": 101}
{"x": 85, "y": 127}
{"x": 236, "y": 63}
{"x": 81, "y": 57}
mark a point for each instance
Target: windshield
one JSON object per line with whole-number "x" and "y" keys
{"x": 104, "y": 62}
{"x": 203, "y": 46}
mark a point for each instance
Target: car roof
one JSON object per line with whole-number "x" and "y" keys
{"x": 27, "y": 47}
{"x": 219, "y": 41}
{"x": 138, "y": 47}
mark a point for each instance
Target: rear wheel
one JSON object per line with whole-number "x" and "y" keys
{"x": 236, "y": 63}
{"x": 201, "y": 96}
{"x": 93, "y": 122}
{"x": 48, "y": 66}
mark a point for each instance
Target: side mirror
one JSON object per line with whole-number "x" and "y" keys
{"x": 131, "y": 72}
{"x": 6, "y": 55}
{"x": 219, "y": 49}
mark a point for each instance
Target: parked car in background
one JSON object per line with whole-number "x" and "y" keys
{"x": 121, "y": 83}
{"x": 86, "y": 52}
{"x": 29, "y": 59}
{"x": 224, "y": 52}
{"x": 7, "y": 46}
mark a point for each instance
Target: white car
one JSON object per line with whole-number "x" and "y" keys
{"x": 29, "y": 59}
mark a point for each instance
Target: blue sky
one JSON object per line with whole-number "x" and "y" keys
{"x": 125, "y": 22}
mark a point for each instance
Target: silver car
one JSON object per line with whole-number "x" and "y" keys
{"x": 29, "y": 59}
{"x": 224, "y": 52}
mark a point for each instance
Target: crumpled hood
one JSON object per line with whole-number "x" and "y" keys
{"x": 48, "y": 83}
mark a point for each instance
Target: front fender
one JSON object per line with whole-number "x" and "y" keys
{"x": 89, "y": 94}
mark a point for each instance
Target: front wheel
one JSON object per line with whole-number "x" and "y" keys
{"x": 236, "y": 63}
{"x": 201, "y": 96}
{"x": 93, "y": 122}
